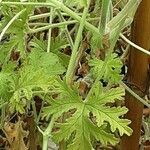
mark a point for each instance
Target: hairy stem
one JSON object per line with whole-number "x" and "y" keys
{"x": 46, "y": 15}
{"x": 104, "y": 16}
{"x": 75, "y": 51}
{"x": 66, "y": 30}
{"x": 55, "y": 25}
{"x": 50, "y": 30}
{"x": 135, "y": 95}
{"x": 27, "y": 3}
{"x": 52, "y": 26}
{"x": 47, "y": 134}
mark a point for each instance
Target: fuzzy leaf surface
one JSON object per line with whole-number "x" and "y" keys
{"x": 37, "y": 74}
{"x": 111, "y": 71}
{"x": 79, "y": 124}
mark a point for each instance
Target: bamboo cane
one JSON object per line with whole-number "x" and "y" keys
{"x": 137, "y": 76}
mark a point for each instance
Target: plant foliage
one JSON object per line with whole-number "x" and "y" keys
{"x": 93, "y": 117}
{"x": 35, "y": 58}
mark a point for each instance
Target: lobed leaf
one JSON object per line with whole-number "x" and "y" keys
{"x": 109, "y": 69}
{"x": 79, "y": 126}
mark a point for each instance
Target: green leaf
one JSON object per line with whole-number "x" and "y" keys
{"x": 19, "y": 27}
{"x": 107, "y": 95}
{"x": 4, "y": 86}
{"x": 109, "y": 69}
{"x": 96, "y": 65}
{"x": 96, "y": 105}
{"x": 5, "y": 50}
{"x": 72, "y": 99}
{"x": 79, "y": 124}
{"x": 111, "y": 115}
{"x": 38, "y": 44}
{"x": 81, "y": 127}
{"x": 38, "y": 74}
{"x": 113, "y": 69}
{"x": 49, "y": 62}
{"x": 56, "y": 46}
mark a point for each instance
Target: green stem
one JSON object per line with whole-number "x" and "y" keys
{"x": 50, "y": 31}
{"x": 74, "y": 15}
{"x": 104, "y": 16}
{"x": 66, "y": 29}
{"x": 45, "y": 142}
{"x": 74, "y": 55}
{"x": 51, "y": 26}
{"x": 38, "y": 16}
{"x": 60, "y": 5}
{"x": 111, "y": 11}
{"x": 46, "y": 15}
{"x": 47, "y": 134}
{"x": 34, "y": 110}
{"x": 39, "y": 115}
{"x": 55, "y": 25}
{"x": 38, "y": 24}
{"x": 27, "y": 3}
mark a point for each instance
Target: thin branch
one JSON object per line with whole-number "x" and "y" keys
{"x": 71, "y": 67}
{"x": 134, "y": 45}
{"x": 135, "y": 95}
{"x": 27, "y": 3}
{"x": 66, "y": 29}
{"x": 50, "y": 30}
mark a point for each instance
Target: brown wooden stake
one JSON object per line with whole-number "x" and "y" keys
{"x": 32, "y": 137}
{"x": 137, "y": 76}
